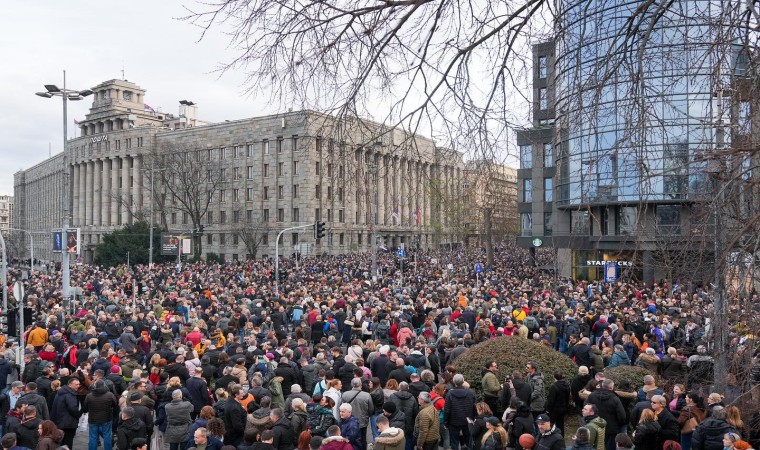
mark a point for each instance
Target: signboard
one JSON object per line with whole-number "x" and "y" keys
{"x": 57, "y": 241}
{"x": 169, "y": 244}
{"x": 72, "y": 240}
{"x": 401, "y": 252}
{"x": 478, "y": 268}
{"x": 18, "y": 291}
{"x": 186, "y": 246}
{"x": 610, "y": 271}
{"x": 590, "y": 262}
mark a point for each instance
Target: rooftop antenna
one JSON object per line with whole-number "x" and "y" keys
{"x": 122, "y": 70}
{"x": 50, "y": 150}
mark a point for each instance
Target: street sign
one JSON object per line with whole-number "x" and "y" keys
{"x": 401, "y": 252}
{"x": 538, "y": 242}
{"x": 18, "y": 291}
{"x": 478, "y": 268}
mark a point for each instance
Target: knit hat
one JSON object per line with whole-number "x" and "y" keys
{"x": 115, "y": 369}
{"x": 389, "y": 407}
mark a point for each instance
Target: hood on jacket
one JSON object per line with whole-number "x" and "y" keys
{"x": 404, "y": 395}
{"x": 391, "y": 436}
{"x": 329, "y": 439}
{"x": 132, "y": 424}
{"x": 598, "y": 421}
{"x": 101, "y": 389}
{"x": 457, "y": 392}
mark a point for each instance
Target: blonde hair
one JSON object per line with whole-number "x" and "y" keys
{"x": 647, "y": 415}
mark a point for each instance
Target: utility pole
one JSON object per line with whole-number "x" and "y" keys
{"x": 277, "y": 254}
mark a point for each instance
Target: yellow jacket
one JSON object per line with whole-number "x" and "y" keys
{"x": 37, "y": 337}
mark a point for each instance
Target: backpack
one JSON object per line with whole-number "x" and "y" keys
{"x": 531, "y": 323}
{"x": 383, "y": 332}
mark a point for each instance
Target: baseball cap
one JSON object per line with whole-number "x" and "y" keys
{"x": 543, "y": 418}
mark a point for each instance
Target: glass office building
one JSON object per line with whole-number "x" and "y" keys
{"x": 635, "y": 97}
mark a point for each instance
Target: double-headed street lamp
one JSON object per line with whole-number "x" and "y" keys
{"x": 52, "y": 90}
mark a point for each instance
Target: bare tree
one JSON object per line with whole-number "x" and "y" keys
{"x": 253, "y": 235}
{"x": 188, "y": 180}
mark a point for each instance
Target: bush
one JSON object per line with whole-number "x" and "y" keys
{"x": 634, "y": 375}
{"x": 513, "y": 353}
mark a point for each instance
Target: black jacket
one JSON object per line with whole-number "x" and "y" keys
{"x": 283, "y": 435}
{"x": 460, "y": 404}
{"x": 381, "y": 367}
{"x": 44, "y": 389}
{"x": 119, "y": 384}
{"x": 128, "y": 430}
{"x": 407, "y": 403}
{"x": 550, "y": 441}
{"x": 709, "y": 434}
{"x": 26, "y": 433}
{"x": 647, "y": 436}
{"x": 40, "y": 403}
{"x": 522, "y": 389}
{"x": 289, "y": 378}
{"x": 397, "y": 420}
{"x": 234, "y": 420}
{"x": 198, "y": 390}
{"x": 65, "y": 412}
{"x": 610, "y": 408}
{"x": 100, "y": 403}
{"x": 558, "y": 399}
{"x": 400, "y": 374}
{"x": 144, "y": 414}
{"x": 5, "y": 370}
{"x": 671, "y": 429}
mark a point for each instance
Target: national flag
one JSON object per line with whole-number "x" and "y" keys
{"x": 417, "y": 216}
{"x": 76, "y": 122}
{"x": 147, "y": 107}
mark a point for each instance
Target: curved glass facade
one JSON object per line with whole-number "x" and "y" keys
{"x": 634, "y": 100}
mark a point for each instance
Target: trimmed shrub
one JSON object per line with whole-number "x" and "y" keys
{"x": 513, "y": 353}
{"x": 633, "y": 375}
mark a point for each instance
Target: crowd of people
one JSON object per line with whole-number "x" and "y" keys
{"x": 211, "y": 357}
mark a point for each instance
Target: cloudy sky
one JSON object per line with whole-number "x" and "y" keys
{"x": 93, "y": 40}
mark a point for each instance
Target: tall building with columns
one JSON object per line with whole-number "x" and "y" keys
{"x": 275, "y": 172}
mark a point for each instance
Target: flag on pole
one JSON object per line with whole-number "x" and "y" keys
{"x": 147, "y": 107}
{"x": 76, "y": 122}
{"x": 417, "y": 216}
{"x": 395, "y": 215}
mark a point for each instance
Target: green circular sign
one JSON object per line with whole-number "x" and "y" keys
{"x": 537, "y": 242}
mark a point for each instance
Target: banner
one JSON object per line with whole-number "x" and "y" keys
{"x": 169, "y": 244}
{"x": 57, "y": 241}
{"x": 72, "y": 240}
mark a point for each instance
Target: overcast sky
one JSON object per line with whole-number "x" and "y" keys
{"x": 93, "y": 40}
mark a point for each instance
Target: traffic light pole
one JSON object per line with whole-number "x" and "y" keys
{"x": 277, "y": 254}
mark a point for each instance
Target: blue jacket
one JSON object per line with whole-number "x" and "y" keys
{"x": 350, "y": 430}
{"x": 5, "y": 369}
{"x": 619, "y": 359}
{"x": 212, "y": 444}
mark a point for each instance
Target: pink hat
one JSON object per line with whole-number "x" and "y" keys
{"x": 115, "y": 369}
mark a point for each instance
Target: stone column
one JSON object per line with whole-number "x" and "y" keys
{"x": 82, "y": 192}
{"x": 137, "y": 184}
{"x": 380, "y": 203}
{"x": 89, "y": 193}
{"x": 105, "y": 192}
{"x": 75, "y": 196}
{"x": 113, "y": 201}
{"x": 124, "y": 191}
{"x": 97, "y": 192}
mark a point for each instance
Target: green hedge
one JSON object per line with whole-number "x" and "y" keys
{"x": 633, "y": 374}
{"x": 513, "y": 353}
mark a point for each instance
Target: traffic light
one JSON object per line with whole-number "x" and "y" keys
{"x": 320, "y": 230}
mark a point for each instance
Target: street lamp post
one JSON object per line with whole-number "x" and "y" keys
{"x": 372, "y": 168}
{"x": 66, "y": 95}
{"x": 152, "y": 201}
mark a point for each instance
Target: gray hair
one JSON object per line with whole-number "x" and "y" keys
{"x": 608, "y": 384}
{"x": 719, "y": 412}
{"x": 403, "y": 386}
{"x": 424, "y": 396}
{"x": 356, "y": 383}
{"x": 177, "y": 393}
{"x": 346, "y": 407}
{"x": 296, "y": 389}
{"x": 458, "y": 379}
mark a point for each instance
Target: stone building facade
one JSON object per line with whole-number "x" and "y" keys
{"x": 276, "y": 171}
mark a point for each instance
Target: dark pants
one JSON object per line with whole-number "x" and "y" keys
{"x": 363, "y": 438}
{"x": 175, "y": 446}
{"x": 493, "y": 403}
{"x": 433, "y": 445}
{"x": 459, "y": 437}
{"x": 68, "y": 436}
{"x": 609, "y": 441}
{"x": 559, "y": 422}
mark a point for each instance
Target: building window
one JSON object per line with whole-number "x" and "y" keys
{"x": 265, "y": 147}
{"x": 296, "y": 215}
{"x": 249, "y": 194}
{"x": 223, "y": 195}
{"x": 329, "y": 192}
{"x": 317, "y": 214}
{"x": 265, "y": 194}
{"x": 184, "y": 218}
{"x": 318, "y": 168}
{"x": 174, "y": 218}
{"x": 341, "y": 216}
{"x": 236, "y": 173}
{"x": 266, "y": 170}
{"x": 527, "y": 190}
{"x": 236, "y": 195}
{"x": 295, "y": 143}
{"x": 281, "y": 214}
{"x": 548, "y": 155}
{"x": 210, "y": 154}
{"x": 745, "y": 118}
{"x": 250, "y": 172}
{"x": 294, "y": 238}
{"x": 249, "y": 151}
{"x": 548, "y": 189}
{"x": 329, "y": 170}
{"x": 543, "y": 100}
{"x": 318, "y": 191}
{"x": 223, "y": 217}
{"x": 295, "y": 168}
{"x": 280, "y": 192}
{"x": 329, "y": 215}
{"x": 139, "y": 142}
{"x": 128, "y": 142}
{"x": 222, "y": 238}
{"x": 265, "y": 215}
{"x": 526, "y": 224}
{"x": 547, "y": 224}
{"x": 280, "y": 169}
{"x": 295, "y": 191}
{"x": 236, "y": 216}
{"x": 341, "y": 238}
{"x": 118, "y": 144}
{"x": 249, "y": 215}
{"x": 210, "y": 217}
{"x": 669, "y": 219}
{"x": 238, "y": 151}
{"x": 223, "y": 174}
{"x": 223, "y": 153}
{"x": 340, "y": 194}
{"x": 279, "y": 144}
{"x": 526, "y": 156}
{"x": 209, "y": 239}
{"x": 265, "y": 239}
{"x": 542, "y": 66}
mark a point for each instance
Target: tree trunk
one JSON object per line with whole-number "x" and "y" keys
{"x": 488, "y": 235}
